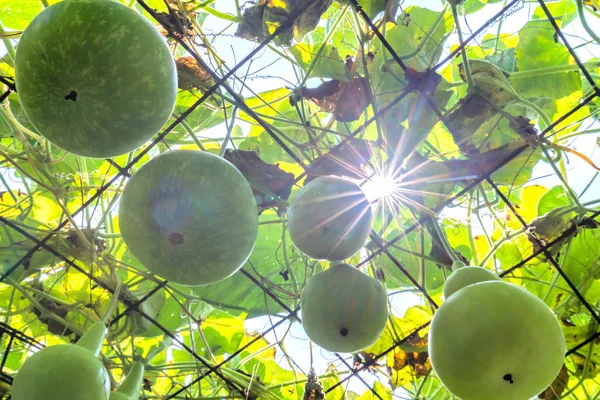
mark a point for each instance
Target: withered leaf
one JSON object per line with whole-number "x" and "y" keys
{"x": 270, "y": 184}
{"x": 346, "y": 100}
{"x": 524, "y": 128}
{"x": 313, "y": 389}
{"x": 347, "y": 160}
{"x": 391, "y": 9}
{"x": 408, "y": 360}
{"x": 191, "y": 75}
{"x": 558, "y": 386}
{"x": 494, "y": 92}
{"x": 176, "y": 20}
{"x": 491, "y": 82}
{"x": 438, "y": 252}
{"x": 590, "y": 4}
{"x": 419, "y": 362}
{"x": 425, "y": 82}
{"x": 262, "y": 19}
{"x": 553, "y": 226}
{"x": 49, "y": 305}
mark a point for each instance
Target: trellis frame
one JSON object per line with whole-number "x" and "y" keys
{"x": 383, "y": 245}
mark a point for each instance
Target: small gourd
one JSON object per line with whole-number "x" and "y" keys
{"x": 343, "y": 309}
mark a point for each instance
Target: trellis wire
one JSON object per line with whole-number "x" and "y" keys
{"x": 13, "y": 334}
{"x": 382, "y": 245}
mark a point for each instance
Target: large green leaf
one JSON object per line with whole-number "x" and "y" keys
{"x": 563, "y": 12}
{"x": 267, "y": 265}
{"x": 17, "y": 14}
{"x": 537, "y": 49}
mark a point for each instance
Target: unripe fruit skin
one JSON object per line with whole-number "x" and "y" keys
{"x": 61, "y": 372}
{"x": 115, "y": 63}
{"x": 467, "y": 276}
{"x": 489, "y": 330}
{"x": 341, "y": 298}
{"x": 189, "y": 217}
{"x": 329, "y": 219}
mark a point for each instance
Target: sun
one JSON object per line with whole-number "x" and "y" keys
{"x": 380, "y": 186}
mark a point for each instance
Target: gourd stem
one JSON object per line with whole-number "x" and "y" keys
{"x": 457, "y": 265}
{"x": 93, "y": 338}
{"x": 113, "y": 303}
{"x": 132, "y": 385}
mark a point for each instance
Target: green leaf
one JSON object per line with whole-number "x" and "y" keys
{"x": 563, "y": 12}
{"x": 519, "y": 170}
{"x": 554, "y": 198}
{"x": 382, "y": 393}
{"x": 17, "y": 14}
{"x": 239, "y": 294}
{"x": 373, "y": 7}
{"x": 411, "y": 33}
{"x": 471, "y": 6}
{"x": 581, "y": 262}
{"x": 412, "y": 253}
{"x": 538, "y": 49}
{"x": 509, "y": 254}
{"x": 328, "y": 65}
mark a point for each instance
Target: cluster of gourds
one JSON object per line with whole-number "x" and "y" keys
{"x": 97, "y": 79}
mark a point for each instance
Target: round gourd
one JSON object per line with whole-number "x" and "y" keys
{"x": 343, "y": 309}
{"x": 329, "y": 218}
{"x": 95, "y": 77}
{"x": 465, "y": 276}
{"x": 66, "y": 371}
{"x": 189, "y": 217}
{"x": 495, "y": 341}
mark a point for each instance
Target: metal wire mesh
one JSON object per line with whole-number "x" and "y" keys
{"x": 15, "y": 338}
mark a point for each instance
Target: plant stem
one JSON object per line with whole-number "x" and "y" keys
{"x": 586, "y": 132}
{"x": 543, "y": 71}
{"x": 9, "y": 46}
{"x": 562, "y": 178}
{"x": 222, "y": 15}
{"x": 463, "y": 50}
{"x": 229, "y": 132}
{"x": 114, "y": 302}
{"x": 43, "y": 309}
{"x": 324, "y": 45}
{"x": 444, "y": 240}
{"x": 470, "y": 231}
{"x": 190, "y": 132}
{"x": 584, "y": 22}
{"x": 497, "y": 42}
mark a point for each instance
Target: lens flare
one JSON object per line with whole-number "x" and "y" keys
{"x": 379, "y": 186}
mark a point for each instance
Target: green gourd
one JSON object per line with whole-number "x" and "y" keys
{"x": 65, "y": 371}
{"x": 343, "y": 309}
{"x": 95, "y": 77}
{"x": 494, "y": 340}
{"x": 329, "y": 219}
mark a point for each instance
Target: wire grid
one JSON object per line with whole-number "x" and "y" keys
{"x": 383, "y": 245}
